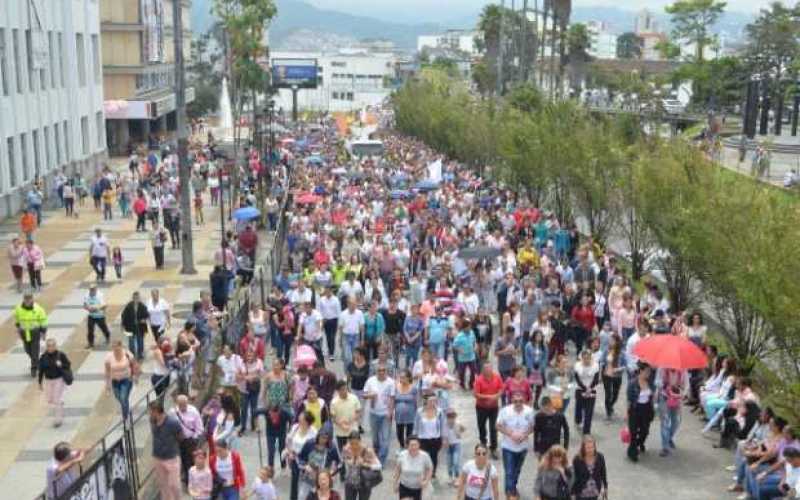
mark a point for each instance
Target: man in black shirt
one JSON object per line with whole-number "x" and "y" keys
{"x": 548, "y": 426}
{"x": 393, "y": 319}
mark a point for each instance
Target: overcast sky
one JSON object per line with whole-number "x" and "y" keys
{"x": 459, "y": 7}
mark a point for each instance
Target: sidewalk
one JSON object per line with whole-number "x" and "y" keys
{"x": 25, "y": 429}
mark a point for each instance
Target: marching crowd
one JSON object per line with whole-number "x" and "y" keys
{"x": 403, "y": 287}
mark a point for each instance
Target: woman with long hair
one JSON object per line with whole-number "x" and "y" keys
{"x": 589, "y": 466}
{"x": 274, "y": 399}
{"x": 554, "y": 477}
{"x": 248, "y": 379}
{"x": 429, "y": 428}
{"x": 641, "y": 396}
{"x": 323, "y": 489}
{"x": 302, "y": 432}
{"x": 227, "y": 418}
{"x": 611, "y": 368}
{"x": 405, "y": 406}
{"x": 357, "y": 458}
{"x": 227, "y": 470}
{"x": 536, "y": 359}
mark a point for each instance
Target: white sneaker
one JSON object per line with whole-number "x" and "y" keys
{"x": 731, "y": 468}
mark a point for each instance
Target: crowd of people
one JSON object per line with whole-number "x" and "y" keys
{"x": 404, "y": 288}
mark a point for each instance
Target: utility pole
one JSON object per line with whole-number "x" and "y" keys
{"x": 501, "y": 49}
{"x": 184, "y": 168}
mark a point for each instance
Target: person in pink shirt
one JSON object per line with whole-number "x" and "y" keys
{"x": 16, "y": 259}
{"x": 34, "y": 260}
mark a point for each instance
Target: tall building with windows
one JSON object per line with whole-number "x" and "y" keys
{"x": 139, "y": 70}
{"x": 51, "y": 95}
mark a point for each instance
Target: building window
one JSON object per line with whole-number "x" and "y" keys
{"x": 100, "y": 129}
{"x": 47, "y": 151}
{"x": 12, "y": 167}
{"x": 85, "y": 135}
{"x": 339, "y": 64}
{"x": 3, "y": 62}
{"x": 29, "y": 54}
{"x": 62, "y": 69}
{"x": 57, "y": 140}
{"x": 17, "y": 60}
{"x": 96, "y": 59}
{"x": 37, "y": 167}
{"x": 80, "y": 49}
{"x": 67, "y": 142}
{"x": 349, "y": 96}
{"x": 52, "y": 52}
{"x": 23, "y": 146}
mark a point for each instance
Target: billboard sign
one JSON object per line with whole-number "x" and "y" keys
{"x": 153, "y": 21}
{"x": 294, "y": 73}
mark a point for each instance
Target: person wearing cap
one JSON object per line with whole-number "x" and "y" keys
{"x": 95, "y": 305}
{"x": 31, "y": 321}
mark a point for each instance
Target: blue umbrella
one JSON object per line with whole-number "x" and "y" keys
{"x": 316, "y": 159}
{"x": 246, "y": 213}
{"x": 427, "y": 185}
{"x": 400, "y": 194}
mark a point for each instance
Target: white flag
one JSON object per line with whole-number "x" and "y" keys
{"x": 435, "y": 171}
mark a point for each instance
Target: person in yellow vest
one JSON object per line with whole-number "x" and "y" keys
{"x": 31, "y": 322}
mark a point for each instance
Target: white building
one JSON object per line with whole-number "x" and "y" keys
{"x": 603, "y": 43}
{"x": 645, "y": 22}
{"x": 461, "y": 40}
{"x": 349, "y": 80}
{"x": 51, "y": 93}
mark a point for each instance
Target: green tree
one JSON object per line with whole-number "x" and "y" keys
{"x": 629, "y": 46}
{"x": 716, "y": 83}
{"x": 692, "y": 20}
{"x": 668, "y": 50}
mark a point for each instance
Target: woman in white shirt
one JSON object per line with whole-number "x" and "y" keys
{"x": 429, "y": 428}
{"x": 258, "y": 320}
{"x": 160, "y": 317}
{"x": 479, "y": 478}
{"x": 301, "y": 433}
{"x": 696, "y": 331}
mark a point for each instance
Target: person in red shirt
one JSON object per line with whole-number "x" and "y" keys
{"x": 321, "y": 256}
{"x": 140, "y": 209}
{"x": 583, "y": 321}
{"x": 248, "y": 241}
{"x": 233, "y": 478}
{"x": 251, "y": 343}
{"x": 488, "y": 389}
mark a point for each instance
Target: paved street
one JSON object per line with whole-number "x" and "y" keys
{"x": 25, "y": 431}
{"x": 694, "y": 472}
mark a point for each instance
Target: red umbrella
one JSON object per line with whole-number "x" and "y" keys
{"x": 308, "y": 199}
{"x": 670, "y": 351}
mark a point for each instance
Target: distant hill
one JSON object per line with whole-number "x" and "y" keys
{"x": 294, "y": 15}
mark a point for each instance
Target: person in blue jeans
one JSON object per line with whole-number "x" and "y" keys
{"x": 464, "y": 347}
{"x": 672, "y": 385}
{"x": 515, "y": 425}
{"x": 120, "y": 373}
{"x": 453, "y": 430}
{"x": 413, "y": 328}
{"x": 379, "y": 394}
{"x": 785, "y": 482}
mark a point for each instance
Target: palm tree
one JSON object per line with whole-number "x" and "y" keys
{"x": 562, "y": 10}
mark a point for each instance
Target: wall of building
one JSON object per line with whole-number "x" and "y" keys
{"x": 51, "y": 111}
{"x": 350, "y": 81}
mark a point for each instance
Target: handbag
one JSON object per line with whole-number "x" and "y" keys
{"x": 216, "y": 486}
{"x": 370, "y": 478}
{"x": 625, "y": 435}
{"x": 535, "y": 378}
{"x": 67, "y": 376}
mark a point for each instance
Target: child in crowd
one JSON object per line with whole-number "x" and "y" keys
{"x": 262, "y": 488}
{"x": 116, "y": 260}
{"x": 452, "y": 433}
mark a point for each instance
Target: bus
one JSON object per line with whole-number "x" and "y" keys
{"x": 364, "y": 148}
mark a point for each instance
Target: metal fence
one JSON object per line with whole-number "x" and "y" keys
{"x": 119, "y": 463}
